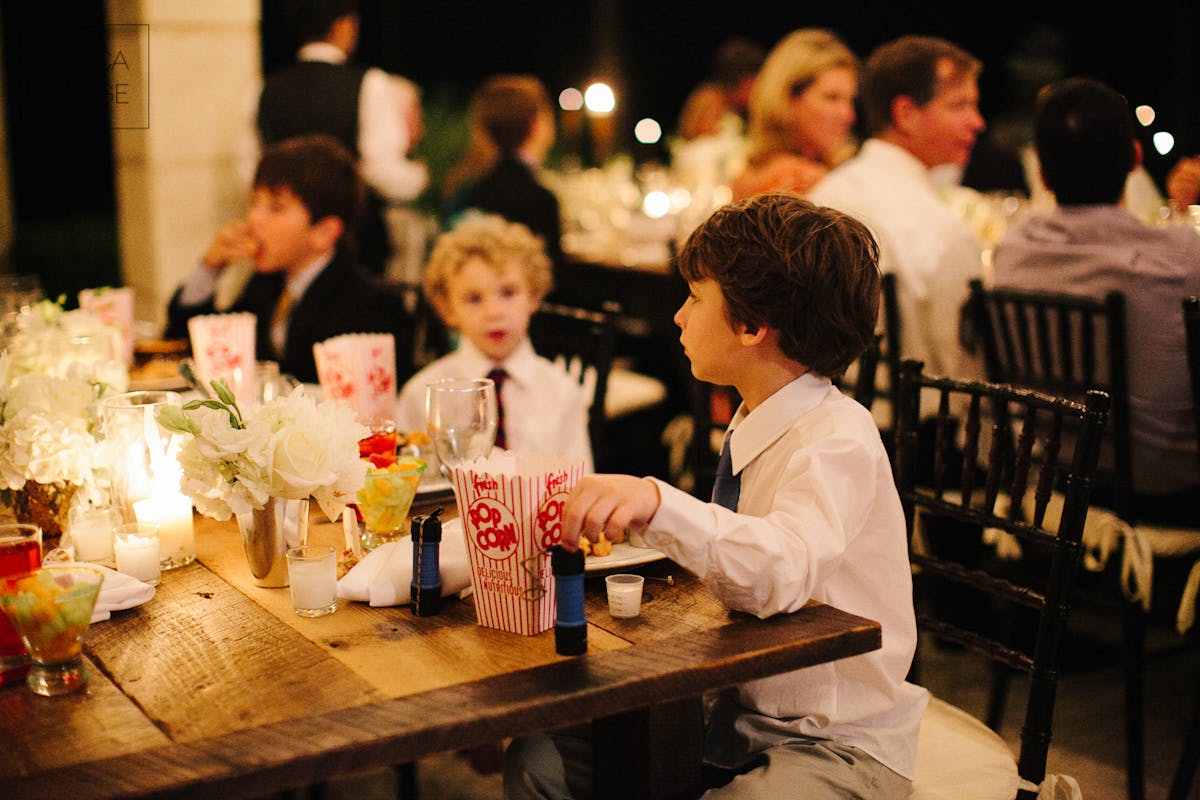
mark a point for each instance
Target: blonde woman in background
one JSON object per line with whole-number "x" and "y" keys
{"x": 801, "y": 114}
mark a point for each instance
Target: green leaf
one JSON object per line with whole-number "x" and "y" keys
{"x": 173, "y": 419}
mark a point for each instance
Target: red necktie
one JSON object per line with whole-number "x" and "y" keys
{"x": 499, "y": 376}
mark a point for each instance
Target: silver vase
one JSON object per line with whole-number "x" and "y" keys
{"x": 268, "y": 532}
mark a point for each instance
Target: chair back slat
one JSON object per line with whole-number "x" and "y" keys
{"x": 1044, "y": 579}
{"x": 1081, "y": 347}
{"x": 1191, "y": 326}
{"x": 583, "y": 342}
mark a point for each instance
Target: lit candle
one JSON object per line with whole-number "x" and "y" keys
{"x": 172, "y": 513}
{"x": 91, "y": 534}
{"x": 137, "y": 555}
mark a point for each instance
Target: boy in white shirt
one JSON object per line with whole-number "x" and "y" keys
{"x": 783, "y": 296}
{"x": 486, "y": 278}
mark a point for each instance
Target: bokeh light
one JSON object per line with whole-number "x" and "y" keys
{"x": 1145, "y": 115}
{"x": 656, "y": 205}
{"x": 599, "y": 98}
{"x": 647, "y": 131}
{"x": 570, "y": 99}
{"x": 1163, "y": 142}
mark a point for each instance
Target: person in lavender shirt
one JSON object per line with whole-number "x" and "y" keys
{"x": 1090, "y": 245}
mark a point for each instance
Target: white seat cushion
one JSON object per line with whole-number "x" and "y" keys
{"x": 959, "y": 757}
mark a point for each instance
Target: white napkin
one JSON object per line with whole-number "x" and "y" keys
{"x": 118, "y": 592}
{"x": 384, "y": 576}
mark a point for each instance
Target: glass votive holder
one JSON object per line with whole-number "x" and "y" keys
{"x": 90, "y": 532}
{"x": 137, "y": 550}
{"x": 172, "y": 513}
{"x": 312, "y": 573}
{"x": 624, "y": 595}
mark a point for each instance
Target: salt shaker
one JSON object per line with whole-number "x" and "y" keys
{"x": 426, "y": 588}
{"x": 570, "y": 623}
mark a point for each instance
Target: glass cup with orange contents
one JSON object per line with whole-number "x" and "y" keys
{"x": 385, "y": 499}
{"x": 20, "y": 552}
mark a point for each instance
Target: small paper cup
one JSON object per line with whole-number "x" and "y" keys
{"x": 624, "y": 595}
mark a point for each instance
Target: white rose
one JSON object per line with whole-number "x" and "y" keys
{"x": 298, "y": 463}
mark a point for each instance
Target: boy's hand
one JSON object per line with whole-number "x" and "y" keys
{"x": 233, "y": 242}
{"x": 608, "y": 502}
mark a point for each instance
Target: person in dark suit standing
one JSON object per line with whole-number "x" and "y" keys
{"x": 324, "y": 92}
{"x": 306, "y": 286}
{"x": 515, "y": 112}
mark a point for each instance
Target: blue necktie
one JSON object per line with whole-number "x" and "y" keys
{"x": 727, "y": 487}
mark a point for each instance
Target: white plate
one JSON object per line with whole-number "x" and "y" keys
{"x": 427, "y": 487}
{"x": 623, "y": 555}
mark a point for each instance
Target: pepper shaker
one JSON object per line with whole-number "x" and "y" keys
{"x": 570, "y": 622}
{"x": 426, "y": 587}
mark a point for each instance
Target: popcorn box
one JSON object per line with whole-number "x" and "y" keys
{"x": 223, "y": 346}
{"x": 358, "y": 371}
{"x": 511, "y": 507}
{"x": 113, "y": 307}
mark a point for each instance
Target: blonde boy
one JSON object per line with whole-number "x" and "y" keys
{"x": 486, "y": 278}
{"x": 783, "y": 296}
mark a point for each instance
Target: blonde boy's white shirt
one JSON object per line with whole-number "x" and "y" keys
{"x": 545, "y": 409}
{"x": 818, "y": 519}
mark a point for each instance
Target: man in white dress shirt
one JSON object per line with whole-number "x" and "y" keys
{"x": 920, "y": 100}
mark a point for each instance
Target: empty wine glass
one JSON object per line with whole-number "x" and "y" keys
{"x": 461, "y": 419}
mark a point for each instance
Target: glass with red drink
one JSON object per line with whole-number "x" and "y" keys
{"x": 379, "y": 448}
{"x": 20, "y": 552}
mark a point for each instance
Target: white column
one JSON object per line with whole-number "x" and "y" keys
{"x": 181, "y": 85}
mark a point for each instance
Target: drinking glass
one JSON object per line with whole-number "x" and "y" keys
{"x": 461, "y": 419}
{"x": 51, "y": 610}
{"x": 20, "y": 552}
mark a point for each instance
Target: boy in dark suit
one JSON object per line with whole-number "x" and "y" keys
{"x": 306, "y": 286}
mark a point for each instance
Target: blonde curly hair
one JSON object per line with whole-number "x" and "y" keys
{"x": 497, "y": 242}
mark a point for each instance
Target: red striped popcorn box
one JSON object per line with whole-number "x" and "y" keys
{"x": 511, "y": 507}
{"x": 223, "y": 346}
{"x": 358, "y": 371}
{"x": 114, "y": 307}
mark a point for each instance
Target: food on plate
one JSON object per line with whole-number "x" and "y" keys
{"x": 604, "y": 546}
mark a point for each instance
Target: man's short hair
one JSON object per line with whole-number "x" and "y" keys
{"x": 507, "y": 105}
{"x": 1084, "y": 134}
{"x": 497, "y": 242}
{"x": 908, "y": 66}
{"x": 809, "y": 272}
{"x": 320, "y": 172}
{"x": 310, "y": 20}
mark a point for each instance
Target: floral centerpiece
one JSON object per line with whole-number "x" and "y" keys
{"x": 291, "y": 447}
{"x": 55, "y": 367}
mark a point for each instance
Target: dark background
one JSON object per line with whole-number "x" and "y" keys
{"x": 60, "y": 143}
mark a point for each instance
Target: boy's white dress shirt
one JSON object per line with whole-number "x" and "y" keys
{"x": 818, "y": 519}
{"x": 545, "y": 409}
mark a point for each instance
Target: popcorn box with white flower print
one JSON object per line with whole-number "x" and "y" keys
{"x": 511, "y": 506}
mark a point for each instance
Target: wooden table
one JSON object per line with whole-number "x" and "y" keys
{"x": 215, "y": 688}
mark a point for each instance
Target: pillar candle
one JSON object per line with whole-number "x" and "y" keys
{"x": 172, "y": 513}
